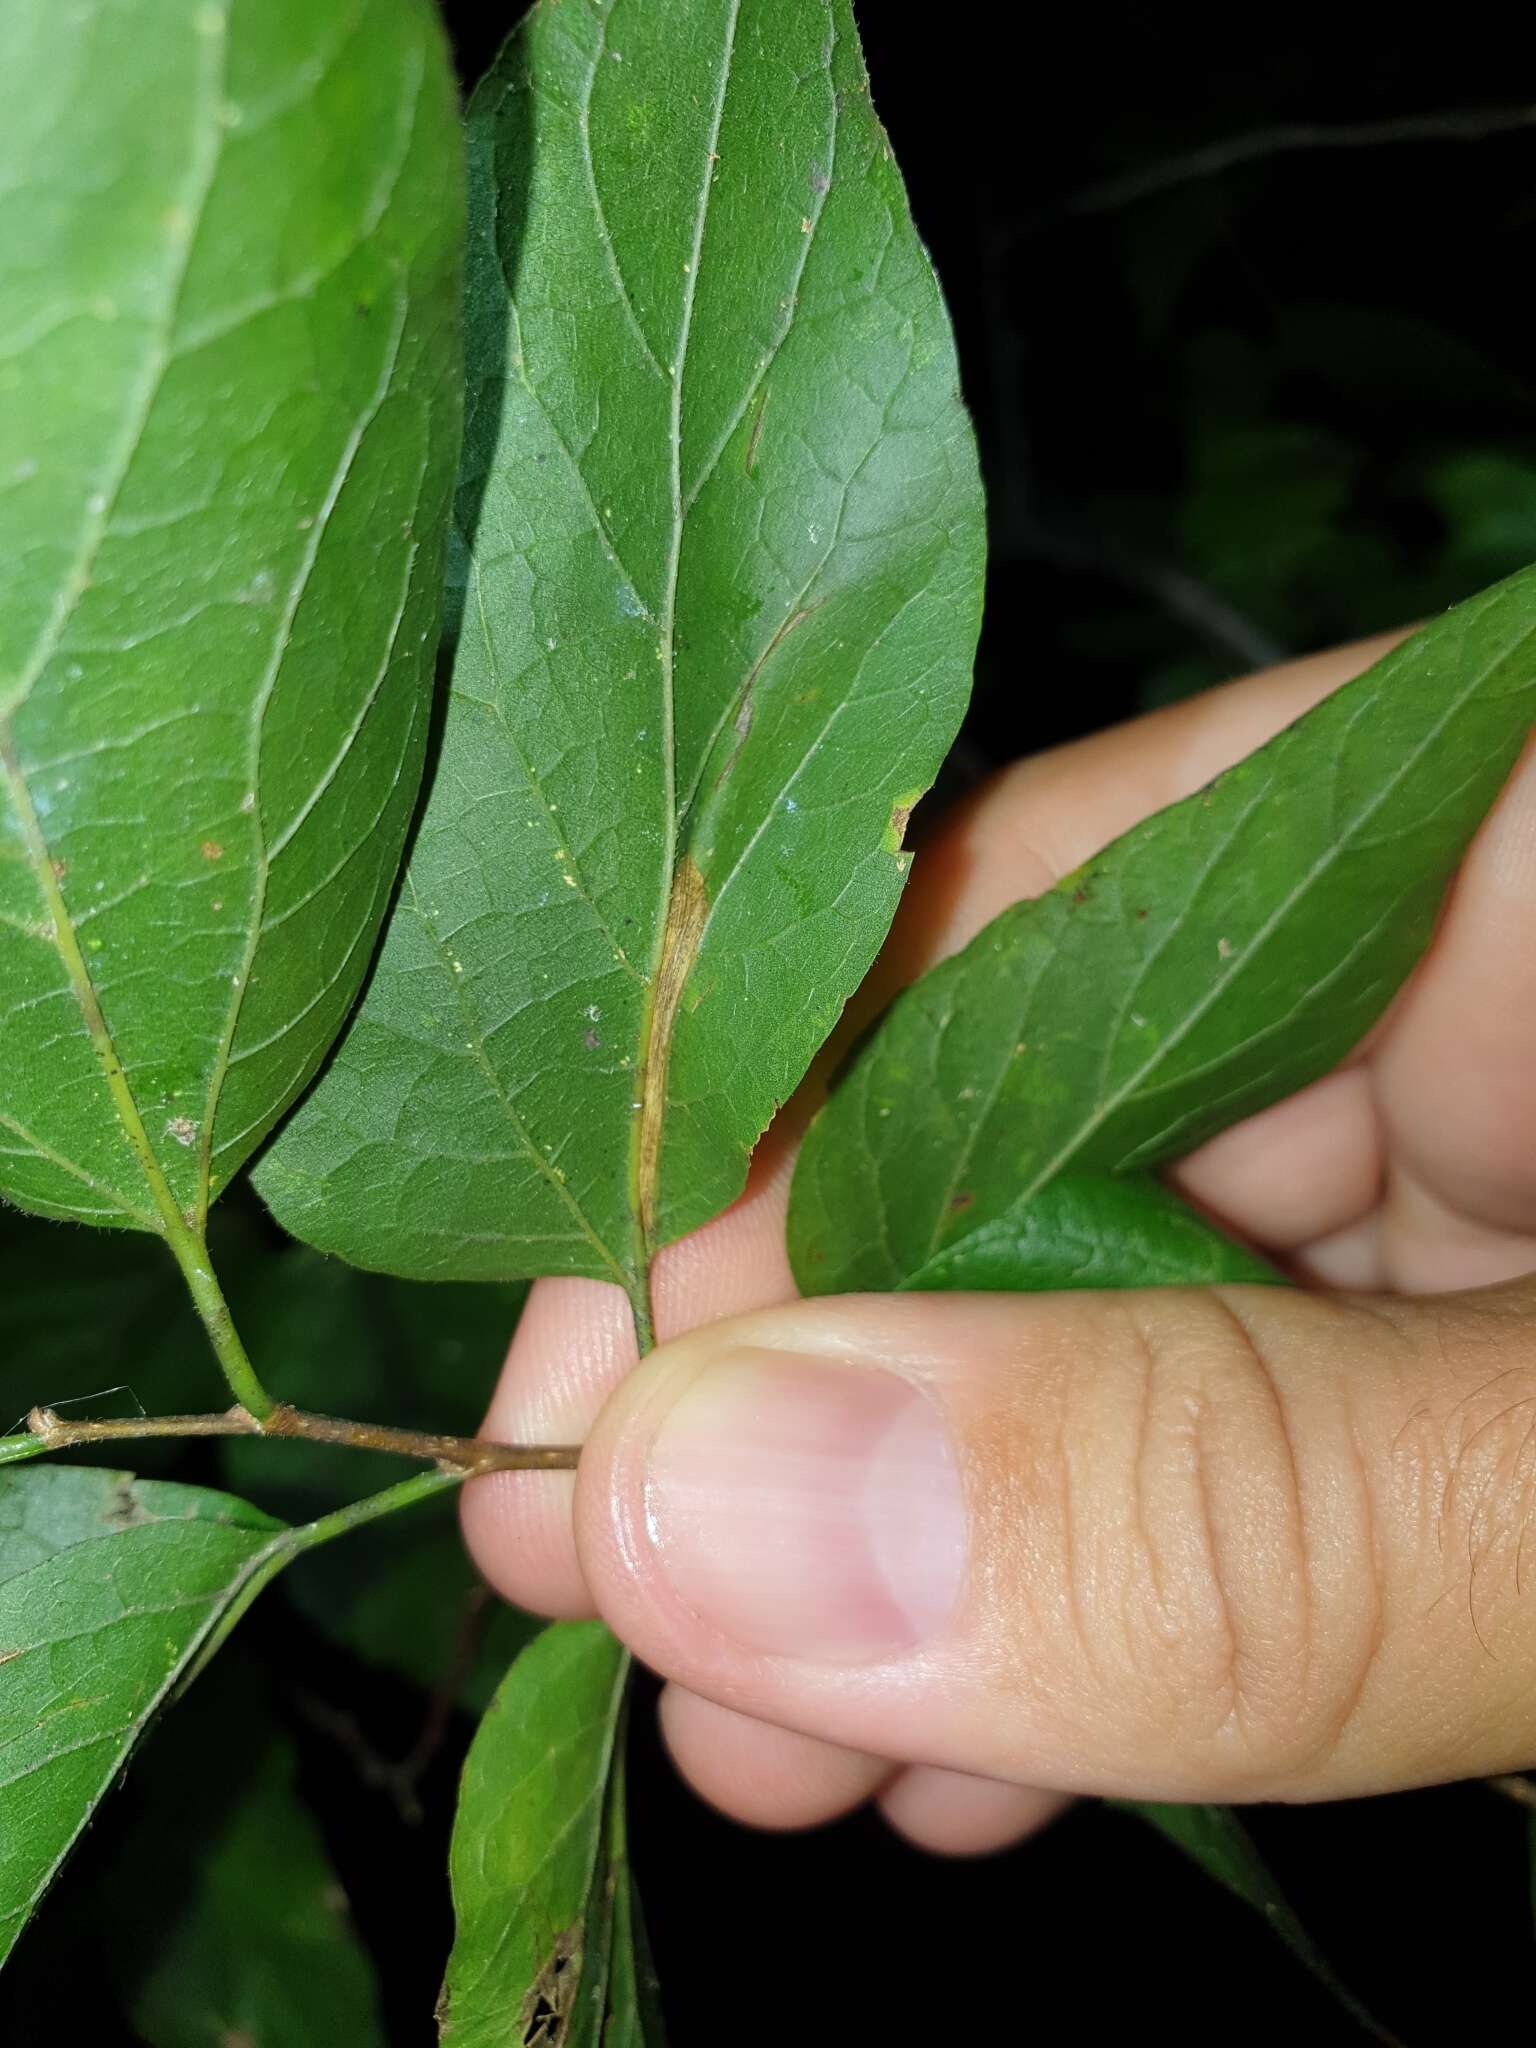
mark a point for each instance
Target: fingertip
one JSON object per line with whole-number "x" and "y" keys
{"x": 950, "y": 1813}
{"x": 574, "y": 1342}
{"x": 762, "y": 1775}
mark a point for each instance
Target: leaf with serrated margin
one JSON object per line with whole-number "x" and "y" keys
{"x": 110, "y": 1588}
{"x": 1218, "y": 957}
{"x": 229, "y": 407}
{"x": 720, "y": 551}
{"x": 548, "y": 1942}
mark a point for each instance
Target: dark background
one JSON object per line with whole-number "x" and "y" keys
{"x": 1245, "y": 324}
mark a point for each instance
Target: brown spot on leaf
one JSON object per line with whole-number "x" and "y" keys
{"x": 687, "y": 915}
{"x": 183, "y": 1130}
{"x": 124, "y": 1509}
{"x": 963, "y": 1200}
{"x": 547, "y": 2004}
{"x": 211, "y": 850}
{"x": 1079, "y": 895}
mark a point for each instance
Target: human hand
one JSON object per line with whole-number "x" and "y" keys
{"x": 972, "y": 1554}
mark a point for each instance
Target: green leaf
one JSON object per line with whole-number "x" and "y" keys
{"x": 114, "y": 1593}
{"x": 1218, "y": 957}
{"x": 1092, "y": 1230}
{"x": 720, "y": 549}
{"x": 1216, "y": 1839}
{"x": 229, "y": 406}
{"x": 244, "y": 1937}
{"x": 109, "y": 1590}
{"x": 548, "y": 1942}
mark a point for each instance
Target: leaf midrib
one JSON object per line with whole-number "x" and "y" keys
{"x": 654, "y": 1046}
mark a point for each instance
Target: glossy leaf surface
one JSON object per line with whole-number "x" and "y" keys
{"x": 229, "y": 407}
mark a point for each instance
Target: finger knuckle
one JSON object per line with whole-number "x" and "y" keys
{"x": 1246, "y": 1627}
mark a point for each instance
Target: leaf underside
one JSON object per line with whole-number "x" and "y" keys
{"x": 1215, "y": 959}
{"x": 109, "y": 1589}
{"x": 717, "y": 581}
{"x": 1092, "y": 1230}
{"x": 229, "y": 405}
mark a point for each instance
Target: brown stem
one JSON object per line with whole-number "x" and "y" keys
{"x": 466, "y": 1454}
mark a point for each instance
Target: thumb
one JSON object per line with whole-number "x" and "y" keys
{"x": 1219, "y": 1544}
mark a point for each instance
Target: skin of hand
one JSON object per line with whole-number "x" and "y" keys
{"x": 969, "y": 1555}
